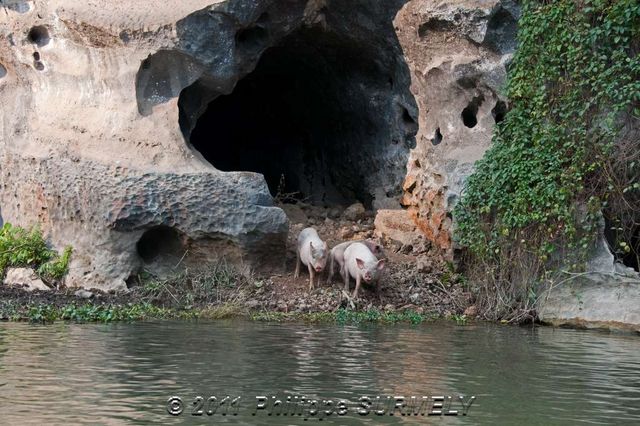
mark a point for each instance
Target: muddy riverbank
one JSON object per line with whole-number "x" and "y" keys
{"x": 416, "y": 280}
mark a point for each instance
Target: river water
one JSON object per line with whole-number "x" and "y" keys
{"x": 125, "y": 373}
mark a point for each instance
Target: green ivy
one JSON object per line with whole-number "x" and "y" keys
{"x": 540, "y": 189}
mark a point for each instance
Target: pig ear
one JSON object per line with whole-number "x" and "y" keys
{"x": 360, "y": 263}
{"x": 380, "y": 264}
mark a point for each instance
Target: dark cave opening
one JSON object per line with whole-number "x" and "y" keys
{"x": 469, "y": 117}
{"x": 160, "y": 240}
{"x": 629, "y": 235}
{"x": 305, "y": 119}
{"x": 437, "y": 137}
{"x": 499, "y": 111}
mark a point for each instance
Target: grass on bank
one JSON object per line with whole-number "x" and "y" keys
{"x": 345, "y": 316}
{"x": 107, "y": 313}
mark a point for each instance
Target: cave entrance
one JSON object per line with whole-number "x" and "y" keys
{"x": 319, "y": 117}
{"x": 623, "y": 238}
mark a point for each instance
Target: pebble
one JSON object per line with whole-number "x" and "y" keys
{"x": 83, "y": 294}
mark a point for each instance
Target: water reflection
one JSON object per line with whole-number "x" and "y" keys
{"x": 124, "y": 373}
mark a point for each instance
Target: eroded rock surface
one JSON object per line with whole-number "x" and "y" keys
{"x": 457, "y": 53}
{"x": 103, "y": 100}
{"x": 131, "y": 130}
{"x": 80, "y": 159}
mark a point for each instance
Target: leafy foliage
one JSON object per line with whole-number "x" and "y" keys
{"x": 58, "y": 266}
{"x": 43, "y": 313}
{"x": 574, "y": 87}
{"x": 21, "y": 247}
{"x": 344, "y": 316}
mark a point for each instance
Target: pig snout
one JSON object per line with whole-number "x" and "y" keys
{"x": 319, "y": 268}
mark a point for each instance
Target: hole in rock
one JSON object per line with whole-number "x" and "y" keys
{"x": 499, "y": 111}
{"x": 38, "y": 65}
{"x": 36, "y": 56}
{"x": 39, "y": 35}
{"x": 437, "y": 137}
{"x": 435, "y": 25}
{"x": 501, "y": 31}
{"x": 410, "y": 124}
{"x": 160, "y": 240}
{"x": 132, "y": 281}
{"x": 467, "y": 82}
{"x": 304, "y": 119}
{"x": 252, "y": 38}
{"x": 628, "y": 254}
{"x": 3, "y": 71}
{"x": 469, "y": 115}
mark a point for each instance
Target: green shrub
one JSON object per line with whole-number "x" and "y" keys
{"x": 20, "y": 247}
{"x": 57, "y": 267}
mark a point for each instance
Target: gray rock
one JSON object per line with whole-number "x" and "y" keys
{"x": 593, "y": 300}
{"x": 601, "y": 259}
{"x": 355, "y": 212}
{"x": 83, "y": 294}
{"x": 25, "y": 277}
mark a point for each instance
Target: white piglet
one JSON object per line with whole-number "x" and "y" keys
{"x": 337, "y": 255}
{"x": 313, "y": 252}
{"x": 362, "y": 265}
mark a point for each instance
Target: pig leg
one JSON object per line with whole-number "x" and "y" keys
{"x": 312, "y": 276}
{"x": 355, "y": 292}
{"x": 331, "y": 270}
{"x": 297, "y": 273}
{"x": 341, "y": 265}
{"x": 345, "y": 276}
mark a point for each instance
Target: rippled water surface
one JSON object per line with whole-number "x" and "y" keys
{"x": 125, "y": 373}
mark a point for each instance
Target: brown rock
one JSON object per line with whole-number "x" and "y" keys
{"x": 424, "y": 264}
{"x": 396, "y": 225}
{"x": 355, "y": 212}
{"x": 471, "y": 311}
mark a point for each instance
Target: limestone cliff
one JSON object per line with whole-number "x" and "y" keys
{"x": 156, "y": 133}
